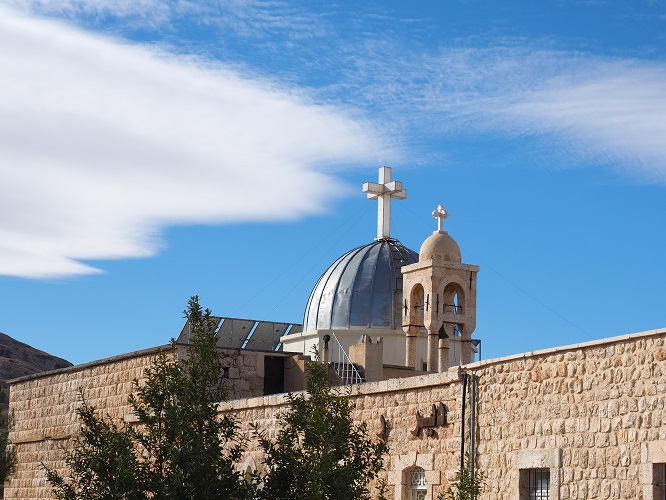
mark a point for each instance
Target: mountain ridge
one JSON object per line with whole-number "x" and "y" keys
{"x": 18, "y": 359}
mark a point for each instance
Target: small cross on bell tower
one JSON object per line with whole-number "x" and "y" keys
{"x": 383, "y": 192}
{"x": 440, "y": 214}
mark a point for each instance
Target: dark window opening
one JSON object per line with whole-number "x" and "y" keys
{"x": 659, "y": 475}
{"x": 273, "y": 375}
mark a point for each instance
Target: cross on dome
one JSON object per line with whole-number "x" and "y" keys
{"x": 383, "y": 192}
{"x": 440, "y": 214}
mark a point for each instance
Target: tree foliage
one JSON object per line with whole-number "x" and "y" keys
{"x": 468, "y": 486}
{"x": 102, "y": 464}
{"x": 319, "y": 453}
{"x": 7, "y": 452}
{"x": 180, "y": 448}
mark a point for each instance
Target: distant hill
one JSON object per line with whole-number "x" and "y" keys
{"x": 18, "y": 359}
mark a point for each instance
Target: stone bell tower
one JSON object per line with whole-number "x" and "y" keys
{"x": 439, "y": 295}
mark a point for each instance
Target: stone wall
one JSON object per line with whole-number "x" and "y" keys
{"x": 585, "y": 412}
{"x": 44, "y": 407}
{"x": 397, "y": 400}
{"x": 45, "y": 419}
{"x": 591, "y": 414}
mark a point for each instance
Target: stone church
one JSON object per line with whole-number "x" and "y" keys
{"x": 582, "y": 421}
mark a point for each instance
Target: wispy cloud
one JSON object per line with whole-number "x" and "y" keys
{"x": 584, "y": 108}
{"x": 117, "y": 140}
{"x": 151, "y": 11}
{"x": 592, "y": 109}
{"x": 612, "y": 112}
{"x": 251, "y": 18}
{"x": 104, "y": 143}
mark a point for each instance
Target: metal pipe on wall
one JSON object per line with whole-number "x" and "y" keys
{"x": 472, "y": 426}
{"x": 462, "y": 422}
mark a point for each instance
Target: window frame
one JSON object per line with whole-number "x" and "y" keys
{"x": 531, "y": 484}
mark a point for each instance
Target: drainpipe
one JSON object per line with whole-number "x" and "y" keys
{"x": 462, "y": 422}
{"x": 472, "y": 425}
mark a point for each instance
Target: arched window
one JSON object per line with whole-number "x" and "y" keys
{"x": 418, "y": 486}
{"x": 417, "y": 305}
{"x": 250, "y": 468}
{"x": 453, "y": 298}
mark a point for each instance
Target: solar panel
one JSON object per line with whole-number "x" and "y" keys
{"x": 234, "y": 333}
{"x": 184, "y": 337}
{"x": 266, "y": 336}
{"x": 295, "y": 329}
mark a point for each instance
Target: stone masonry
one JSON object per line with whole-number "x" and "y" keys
{"x": 590, "y": 414}
{"x": 44, "y": 407}
{"x": 593, "y": 414}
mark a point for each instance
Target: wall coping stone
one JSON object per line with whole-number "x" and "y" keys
{"x": 561, "y": 349}
{"x": 428, "y": 380}
{"x": 130, "y": 355}
{"x": 366, "y": 388}
{"x": 90, "y": 364}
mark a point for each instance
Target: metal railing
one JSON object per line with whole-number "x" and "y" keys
{"x": 340, "y": 362}
{"x": 455, "y": 309}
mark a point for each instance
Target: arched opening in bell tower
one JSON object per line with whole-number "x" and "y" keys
{"x": 417, "y": 306}
{"x": 414, "y": 310}
{"x": 454, "y": 299}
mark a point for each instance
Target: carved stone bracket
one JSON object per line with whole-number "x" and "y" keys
{"x": 383, "y": 427}
{"x": 428, "y": 424}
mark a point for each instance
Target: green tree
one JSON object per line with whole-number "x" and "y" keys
{"x": 7, "y": 453}
{"x": 468, "y": 486}
{"x": 180, "y": 448}
{"x": 102, "y": 463}
{"x": 319, "y": 453}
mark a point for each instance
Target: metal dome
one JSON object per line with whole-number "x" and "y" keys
{"x": 362, "y": 289}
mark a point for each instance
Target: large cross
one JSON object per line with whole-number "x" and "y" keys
{"x": 383, "y": 192}
{"x": 440, "y": 214}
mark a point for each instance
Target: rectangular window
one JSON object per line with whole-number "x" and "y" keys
{"x": 534, "y": 484}
{"x": 659, "y": 475}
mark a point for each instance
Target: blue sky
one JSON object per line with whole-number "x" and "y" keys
{"x": 152, "y": 150}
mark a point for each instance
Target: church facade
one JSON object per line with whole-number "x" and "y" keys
{"x": 572, "y": 422}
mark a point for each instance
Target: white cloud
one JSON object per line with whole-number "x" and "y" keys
{"x": 103, "y": 143}
{"x": 616, "y": 110}
{"x": 585, "y": 109}
{"x": 118, "y": 140}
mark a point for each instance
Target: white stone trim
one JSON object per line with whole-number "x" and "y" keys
{"x": 399, "y": 474}
{"x": 652, "y": 453}
{"x": 537, "y": 459}
{"x": 438, "y": 263}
